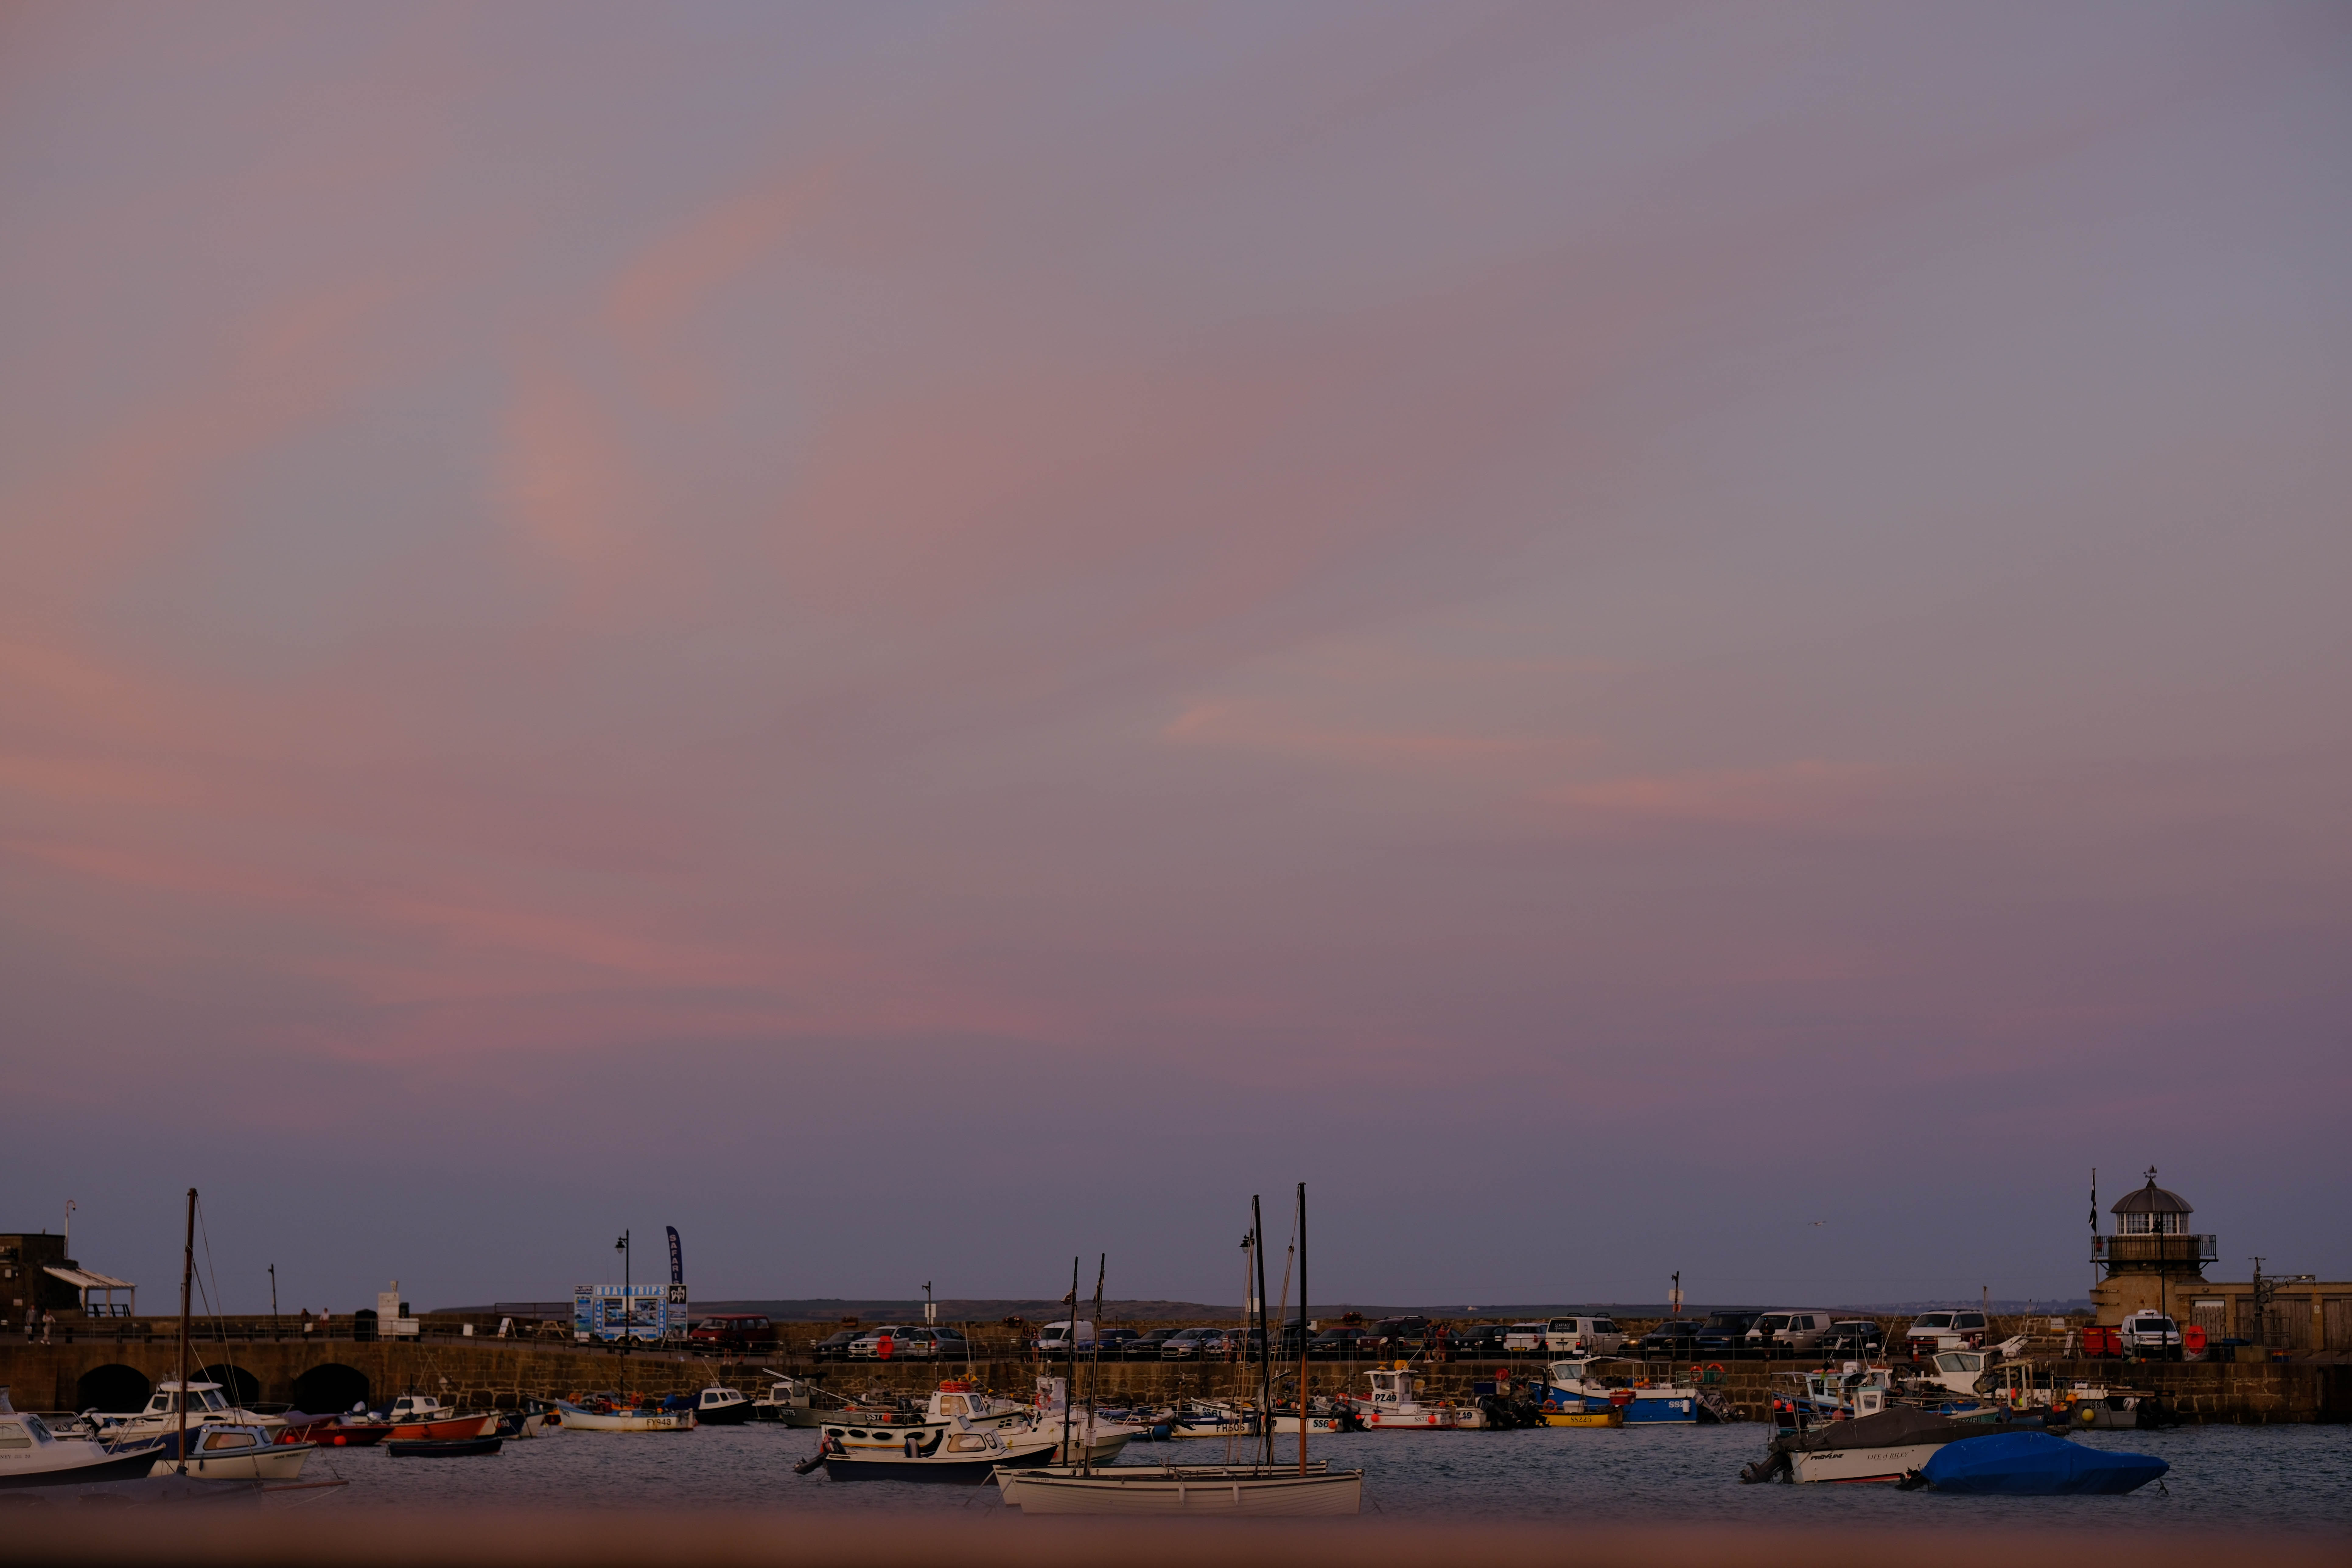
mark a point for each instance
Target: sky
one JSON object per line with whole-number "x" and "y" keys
{"x": 920, "y": 640}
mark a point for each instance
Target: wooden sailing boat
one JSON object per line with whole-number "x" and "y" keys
{"x": 1262, "y": 1491}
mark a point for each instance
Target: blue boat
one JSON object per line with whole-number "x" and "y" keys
{"x": 2035, "y": 1464}
{"x": 1575, "y": 1386}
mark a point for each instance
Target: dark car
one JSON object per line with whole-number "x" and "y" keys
{"x": 1475, "y": 1340}
{"x": 1397, "y": 1336}
{"x": 1675, "y": 1336}
{"x": 1337, "y": 1344}
{"x": 1114, "y": 1342}
{"x": 835, "y": 1347}
{"x": 1853, "y": 1336}
{"x": 1146, "y": 1347}
{"x": 1184, "y": 1344}
{"x": 732, "y": 1330}
{"x": 1726, "y": 1333}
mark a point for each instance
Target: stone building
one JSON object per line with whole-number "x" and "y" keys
{"x": 35, "y": 1276}
{"x": 2154, "y": 1261}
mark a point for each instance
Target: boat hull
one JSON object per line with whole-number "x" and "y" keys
{"x": 1585, "y": 1418}
{"x": 581, "y": 1420}
{"x": 97, "y": 1465}
{"x": 443, "y": 1447}
{"x": 724, "y": 1414}
{"x": 1860, "y": 1464}
{"x": 942, "y": 1471}
{"x": 1160, "y": 1493}
{"x": 261, "y": 1462}
{"x": 444, "y": 1430}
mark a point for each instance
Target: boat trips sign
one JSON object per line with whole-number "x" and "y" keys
{"x": 627, "y": 1311}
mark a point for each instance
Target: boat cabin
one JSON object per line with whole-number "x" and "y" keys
{"x": 417, "y": 1407}
{"x": 204, "y": 1400}
{"x": 718, "y": 1399}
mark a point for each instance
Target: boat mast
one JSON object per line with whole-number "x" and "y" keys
{"x": 1302, "y": 1328}
{"x": 1264, "y": 1349}
{"x": 1093, "y": 1369}
{"x": 1072, "y": 1388}
{"x": 187, "y": 1278}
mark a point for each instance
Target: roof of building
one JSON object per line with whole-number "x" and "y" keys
{"x": 90, "y": 1280}
{"x": 2151, "y": 1199}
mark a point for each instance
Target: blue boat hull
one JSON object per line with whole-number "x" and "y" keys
{"x": 1645, "y": 1408}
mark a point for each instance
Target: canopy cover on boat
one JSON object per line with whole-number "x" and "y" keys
{"x": 1898, "y": 1427}
{"x": 2035, "y": 1464}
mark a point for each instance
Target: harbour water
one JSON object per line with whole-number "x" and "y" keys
{"x": 2268, "y": 1478}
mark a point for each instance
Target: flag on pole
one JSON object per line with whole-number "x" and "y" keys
{"x": 676, "y": 1259}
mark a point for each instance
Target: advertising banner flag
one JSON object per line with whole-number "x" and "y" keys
{"x": 677, "y": 1263}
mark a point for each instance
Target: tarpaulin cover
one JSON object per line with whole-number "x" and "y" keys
{"x": 2035, "y": 1464}
{"x": 1899, "y": 1425}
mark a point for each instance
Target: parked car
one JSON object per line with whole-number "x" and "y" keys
{"x": 835, "y": 1347}
{"x": 1114, "y": 1342}
{"x": 1337, "y": 1344}
{"x": 1933, "y": 1331}
{"x": 1184, "y": 1344}
{"x": 1790, "y": 1329}
{"x": 2151, "y": 1336}
{"x": 732, "y": 1330}
{"x": 1146, "y": 1347}
{"x": 1397, "y": 1336}
{"x": 1524, "y": 1336}
{"x": 1853, "y": 1336}
{"x": 1725, "y": 1333}
{"x": 1475, "y": 1340}
{"x": 1675, "y": 1336}
{"x": 906, "y": 1342}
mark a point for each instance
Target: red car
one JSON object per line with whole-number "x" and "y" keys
{"x": 733, "y": 1331}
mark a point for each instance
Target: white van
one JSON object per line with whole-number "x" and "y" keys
{"x": 1056, "y": 1337}
{"x": 1791, "y": 1327}
{"x": 1581, "y": 1336}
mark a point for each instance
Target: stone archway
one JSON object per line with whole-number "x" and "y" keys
{"x": 329, "y": 1388}
{"x": 238, "y": 1385}
{"x": 114, "y": 1389}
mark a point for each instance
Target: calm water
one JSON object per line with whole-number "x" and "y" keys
{"x": 2222, "y": 1477}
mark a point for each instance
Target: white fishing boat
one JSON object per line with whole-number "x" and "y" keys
{"x": 1884, "y": 1443}
{"x": 33, "y": 1455}
{"x": 960, "y": 1457}
{"x": 1236, "y": 1492}
{"x": 1393, "y": 1405}
{"x": 205, "y": 1407}
{"x": 1079, "y": 1435}
{"x": 620, "y": 1418}
{"x": 220, "y": 1452}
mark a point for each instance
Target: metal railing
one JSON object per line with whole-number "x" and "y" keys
{"x": 2182, "y": 1248}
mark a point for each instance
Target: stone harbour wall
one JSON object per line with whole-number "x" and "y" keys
{"x": 331, "y": 1374}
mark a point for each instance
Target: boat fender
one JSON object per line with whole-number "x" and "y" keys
{"x": 2087, "y": 1413}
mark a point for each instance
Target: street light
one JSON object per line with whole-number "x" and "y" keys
{"x": 622, "y": 1246}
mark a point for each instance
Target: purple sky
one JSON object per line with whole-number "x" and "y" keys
{"x": 919, "y": 640}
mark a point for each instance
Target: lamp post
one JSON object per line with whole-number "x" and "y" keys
{"x": 622, "y": 1246}
{"x": 273, "y": 1301}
